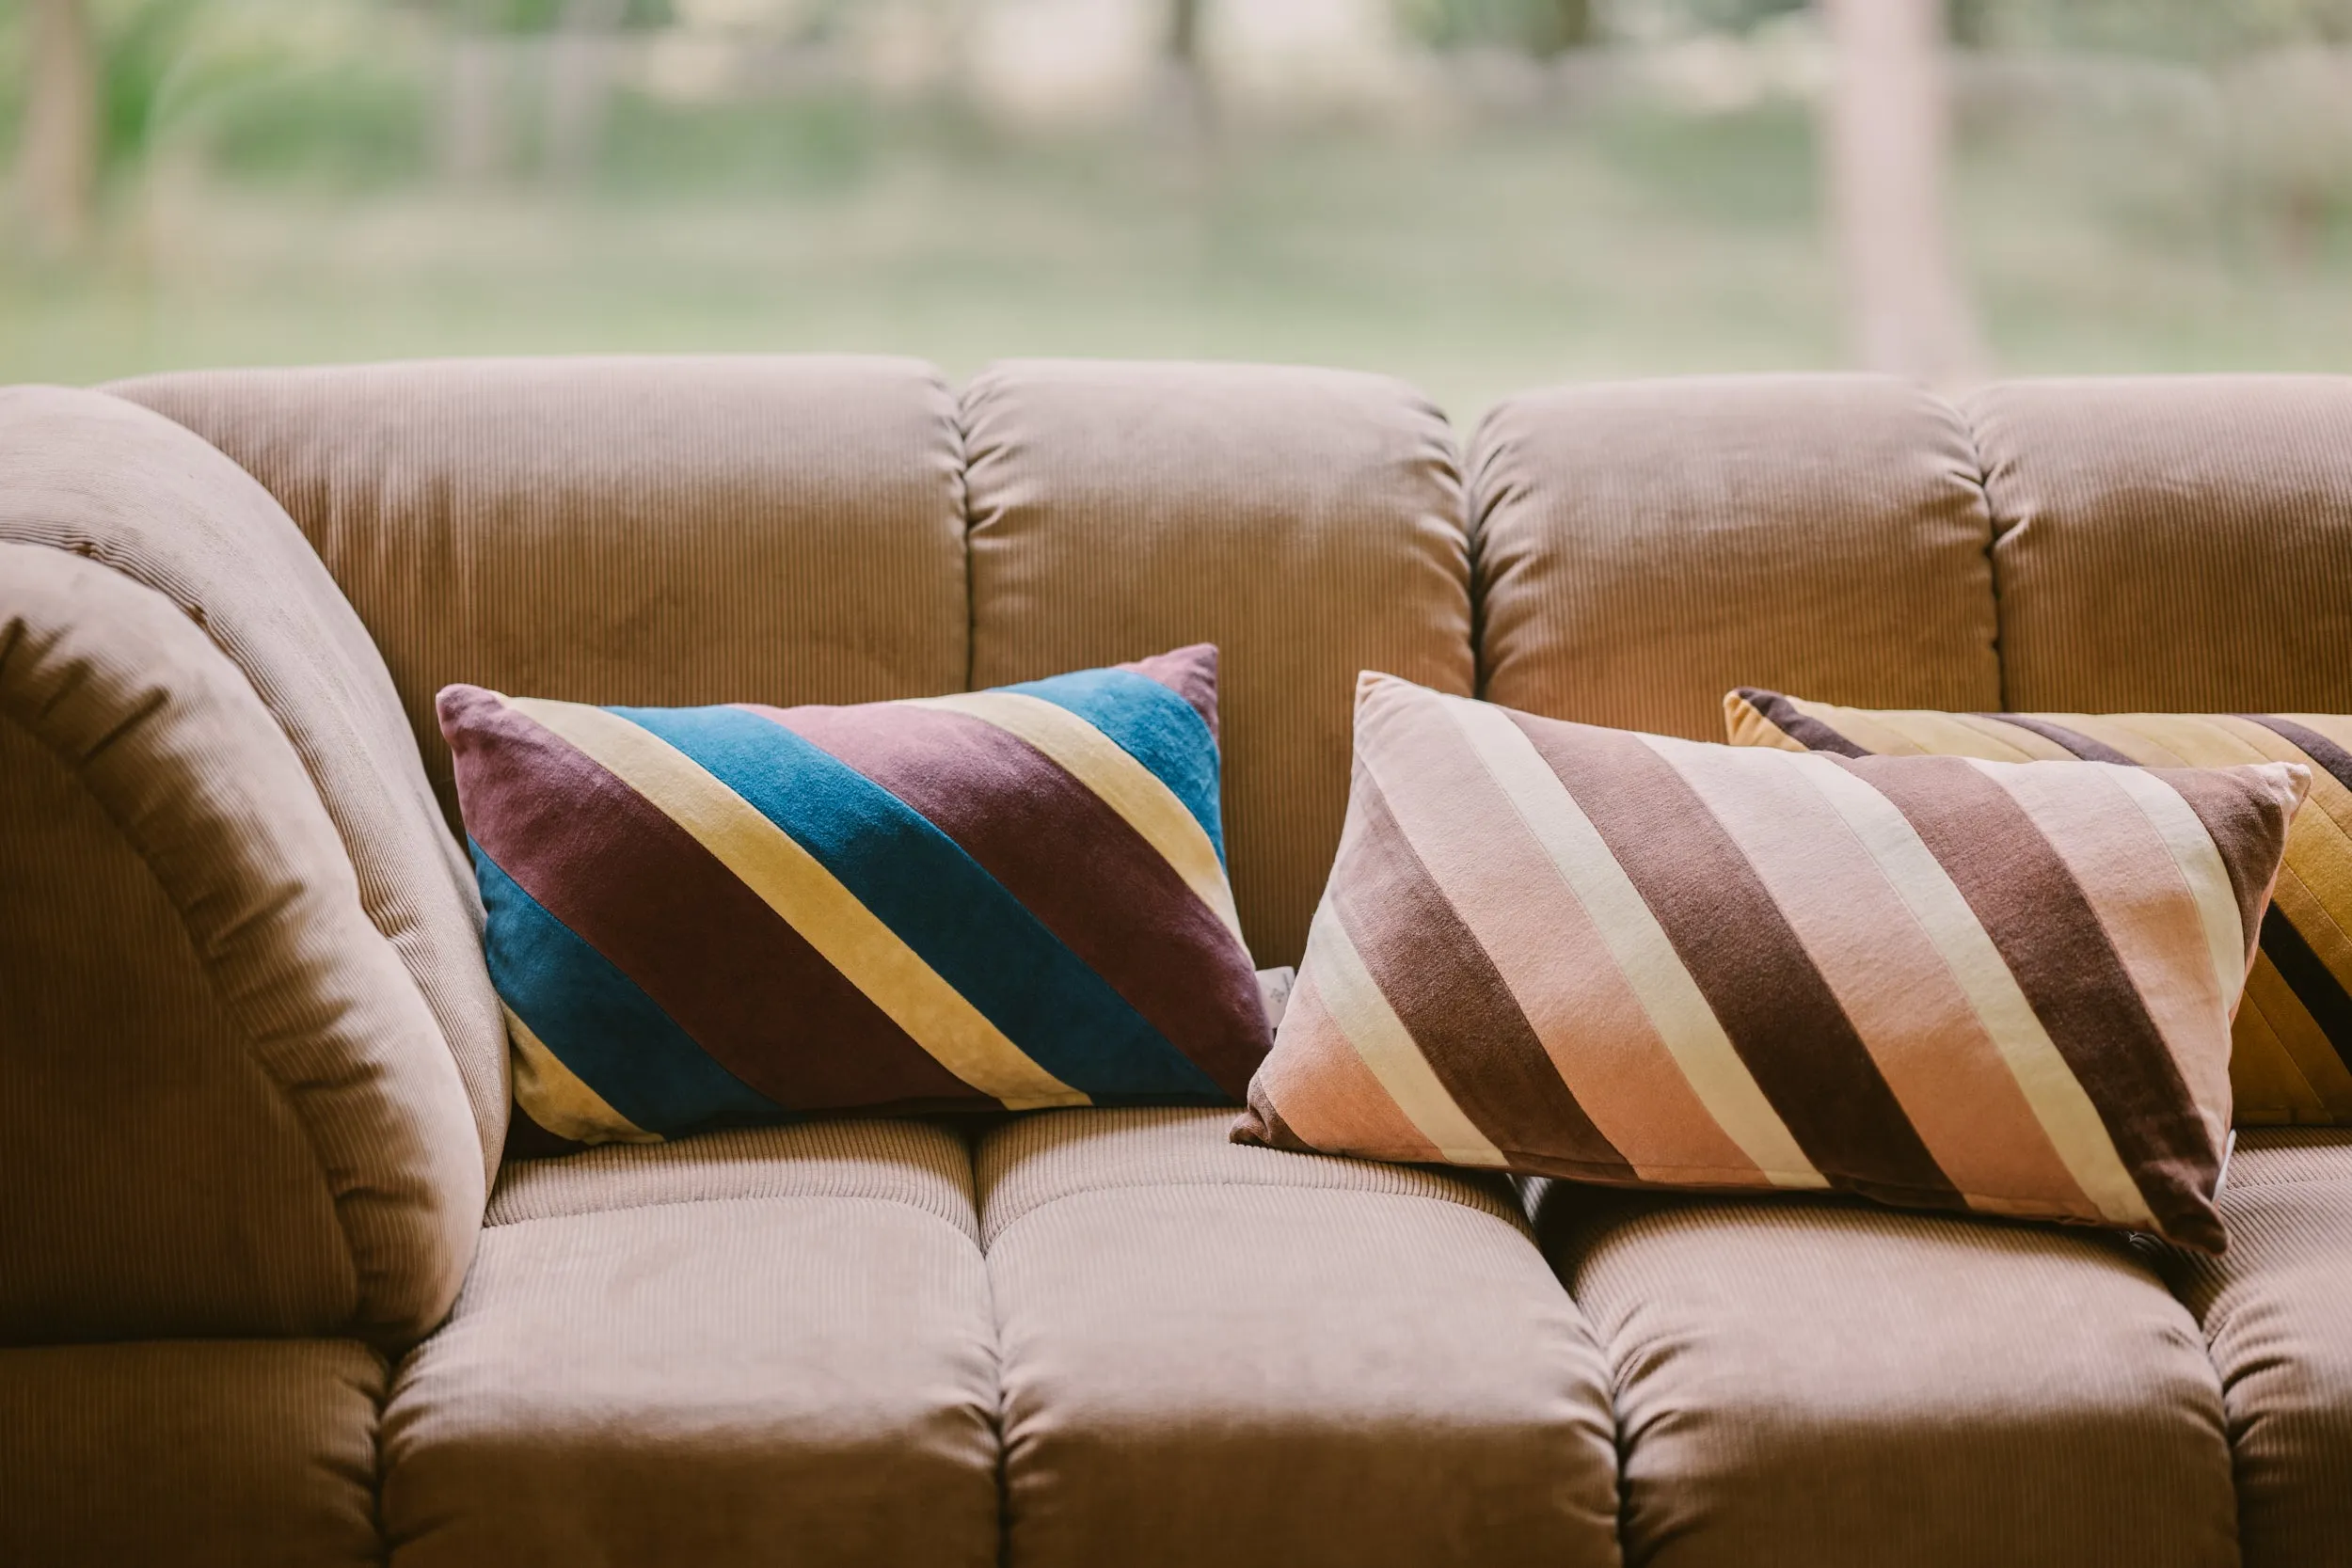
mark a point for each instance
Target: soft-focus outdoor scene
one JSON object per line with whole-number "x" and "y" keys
{"x": 1476, "y": 195}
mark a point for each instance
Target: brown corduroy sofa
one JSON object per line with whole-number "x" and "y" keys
{"x": 269, "y": 1294}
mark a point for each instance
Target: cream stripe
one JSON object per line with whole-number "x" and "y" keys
{"x": 1124, "y": 784}
{"x": 1356, "y": 1006}
{"x": 2060, "y": 1102}
{"x": 557, "y": 1100}
{"x": 1638, "y": 943}
{"x": 2184, "y": 833}
{"x": 847, "y": 934}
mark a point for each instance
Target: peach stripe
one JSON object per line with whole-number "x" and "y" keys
{"x": 1889, "y": 975}
{"x": 1495, "y": 874}
{"x": 1321, "y": 1088}
{"x": 2059, "y": 1101}
{"x": 1353, "y": 1000}
{"x": 2127, "y": 873}
{"x": 1637, "y": 943}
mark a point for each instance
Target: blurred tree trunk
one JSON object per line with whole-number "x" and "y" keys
{"x": 1186, "y": 74}
{"x": 1887, "y": 137}
{"x": 580, "y": 83}
{"x": 1562, "y": 26}
{"x": 57, "y": 146}
{"x": 473, "y": 126}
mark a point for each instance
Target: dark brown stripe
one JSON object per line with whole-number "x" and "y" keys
{"x": 2049, "y": 933}
{"x": 2315, "y": 986}
{"x": 1780, "y": 1013}
{"x": 638, "y": 888}
{"x": 1261, "y": 1123}
{"x": 2075, "y": 741}
{"x": 2323, "y": 751}
{"x": 1451, "y": 998}
{"x": 2248, "y": 828}
{"x": 1798, "y": 726}
{"x": 1129, "y": 916}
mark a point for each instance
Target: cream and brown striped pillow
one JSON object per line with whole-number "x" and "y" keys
{"x": 2291, "y": 1056}
{"x": 1933, "y": 981}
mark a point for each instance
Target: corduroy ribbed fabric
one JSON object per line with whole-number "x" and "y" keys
{"x": 370, "y": 1188}
{"x": 189, "y": 1454}
{"x": 2277, "y": 1311}
{"x": 1222, "y": 1355}
{"x": 1642, "y": 547}
{"x": 923, "y": 1164}
{"x": 2169, "y": 544}
{"x": 751, "y": 1381}
{"x": 657, "y": 531}
{"x": 1799, "y": 1381}
{"x": 1307, "y": 522}
{"x": 92, "y": 476}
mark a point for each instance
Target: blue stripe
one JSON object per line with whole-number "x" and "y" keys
{"x": 1151, "y": 724}
{"x": 600, "y": 1024}
{"x": 941, "y": 902}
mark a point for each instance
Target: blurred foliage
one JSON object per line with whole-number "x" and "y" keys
{"x": 2186, "y": 29}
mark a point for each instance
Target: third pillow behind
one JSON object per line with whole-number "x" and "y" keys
{"x": 1563, "y": 950}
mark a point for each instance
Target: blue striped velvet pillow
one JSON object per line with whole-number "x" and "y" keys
{"x": 712, "y": 916}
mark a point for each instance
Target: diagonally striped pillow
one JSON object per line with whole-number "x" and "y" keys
{"x": 700, "y": 917}
{"x": 2291, "y": 1057}
{"x": 1571, "y": 951}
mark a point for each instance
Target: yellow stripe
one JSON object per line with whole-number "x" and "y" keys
{"x": 1675, "y": 1006}
{"x": 553, "y": 1096}
{"x": 1357, "y": 1006}
{"x": 1124, "y": 784}
{"x": 768, "y": 861}
{"x": 2060, "y": 1102}
{"x": 2200, "y": 864}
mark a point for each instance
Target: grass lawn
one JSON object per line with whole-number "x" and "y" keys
{"x": 1469, "y": 259}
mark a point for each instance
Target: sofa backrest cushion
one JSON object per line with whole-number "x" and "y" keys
{"x": 1643, "y": 547}
{"x": 657, "y": 531}
{"x": 2171, "y": 544}
{"x": 1307, "y": 522}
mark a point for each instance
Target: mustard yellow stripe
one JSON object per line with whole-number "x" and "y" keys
{"x": 1124, "y": 784}
{"x": 1873, "y": 730}
{"x": 793, "y": 884}
{"x": 1966, "y": 734}
{"x": 2267, "y": 1081}
{"x": 1676, "y": 1009}
{"x": 1746, "y": 726}
{"x": 553, "y": 1096}
{"x": 2060, "y": 1102}
{"x": 1357, "y": 1006}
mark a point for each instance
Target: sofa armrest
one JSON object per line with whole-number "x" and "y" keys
{"x": 250, "y": 1062}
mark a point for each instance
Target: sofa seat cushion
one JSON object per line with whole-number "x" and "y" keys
{"x": 762, "y": 1347}
{"x": 1800, "y": 1381}
{"x": 2277, "y": 1310}
{"x": 1215, "y": 1353}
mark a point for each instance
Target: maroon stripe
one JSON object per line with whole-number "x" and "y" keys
{"x": 2323, "y": 751}
{"x": 638, "y": 888}
{"x": 2075, "y": 742}
{"x": 1190, "y": 672}
{"x": 2051, "y": 937}
{"x": 1128, "y": 915}
{"x": 1780, "y": 1014}
{"x": 2247, "y": 826}
{"x": 1798, "y": 726}
{"x": 1452, "y": 1000}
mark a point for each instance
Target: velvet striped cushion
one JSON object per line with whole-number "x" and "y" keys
{"x": 1552, "y": 948}
{"x": 2291, "y": 1053}
{"x": 702, "y": 917}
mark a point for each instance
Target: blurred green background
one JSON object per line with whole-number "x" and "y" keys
{"x": 1476, "y": 195}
